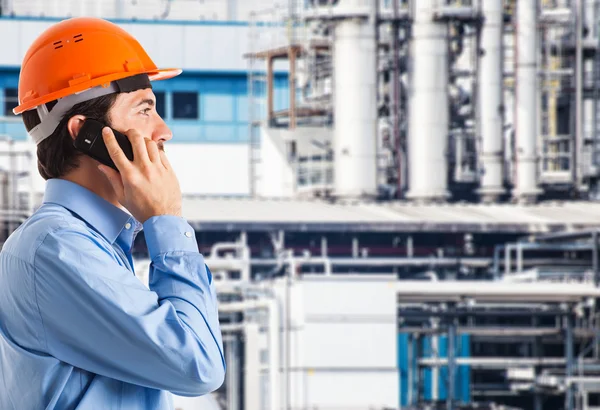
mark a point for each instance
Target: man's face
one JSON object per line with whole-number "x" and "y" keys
{"x": 137, "y": 110}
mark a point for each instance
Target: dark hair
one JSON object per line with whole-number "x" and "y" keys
{"x": 56, "y": 154}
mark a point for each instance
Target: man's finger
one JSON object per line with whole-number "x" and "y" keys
{"x": 114, "y": 150}
{"x": 152, "y": 148}
{"x": 138, "y": 143}
{"x": 164, "y": 160}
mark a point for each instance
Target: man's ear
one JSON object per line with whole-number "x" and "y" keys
{"x": 74, "y": 125}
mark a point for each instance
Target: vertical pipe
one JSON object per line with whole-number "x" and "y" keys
{"x": 507, "y": 256}
{"x": 519, "y": 252}
{"x": 526, "y": 183}
{"x": 120, "y": 9}
{"x": 576, "y": 166}
{"x": 435, "y": 349}
{"x": 270, "y": 88}
{"x": 409, "y": 360}
{"x": 292, "y": 86}
{"x": 428, "y": 106}
{"x": 595, "y": 259}
{"x": 251, "y": 368}
{"x": 288, "y": 339}
{"x": 451, "y": 365}
{"x": 589, "y": 75}
{"x": 417, "y": 379}
{"x": 596, "y": 87}
{"x": 233, "y": 375}
{"x": 536, "y": 350}
{"x": 490, "y": 100}
{"x": 569, "y": 395}
{"x": 355, "y": 108}
{"x": 7, "y": 7}
{"x": 274, "y": 352}
{"x": 395, "y": 82}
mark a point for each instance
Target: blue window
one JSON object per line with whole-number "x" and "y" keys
{"x": 185, "y": 105}
{"x": 160, "y": 103}
{"x": 11, "y": 100}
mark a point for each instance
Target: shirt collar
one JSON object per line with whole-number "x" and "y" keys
{"x": 103, "y": 216}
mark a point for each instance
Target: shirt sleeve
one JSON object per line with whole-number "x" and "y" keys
{"x": 99, "y": 317}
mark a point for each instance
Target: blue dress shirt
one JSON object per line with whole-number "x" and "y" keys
{"x": 78, "y": 330}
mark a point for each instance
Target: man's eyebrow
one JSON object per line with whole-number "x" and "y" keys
{"x": 148, "y": 101}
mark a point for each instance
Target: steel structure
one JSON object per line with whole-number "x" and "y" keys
{"x": 478, "y": 100}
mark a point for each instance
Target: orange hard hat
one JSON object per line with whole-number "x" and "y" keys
{"x": 78, "y": 54}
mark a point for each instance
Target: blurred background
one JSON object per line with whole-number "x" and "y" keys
{"x": 398, "y": 199}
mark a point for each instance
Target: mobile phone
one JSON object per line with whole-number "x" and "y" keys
{"x": 90, "y": 142}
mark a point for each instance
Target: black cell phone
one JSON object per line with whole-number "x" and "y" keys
{"x": 90, "y": 142}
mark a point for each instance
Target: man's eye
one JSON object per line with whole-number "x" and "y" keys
{"x": 145, "y": 111}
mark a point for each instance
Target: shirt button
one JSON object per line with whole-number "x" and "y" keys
{"x": 188, "y": 234}
{"x": 127, "y": 225}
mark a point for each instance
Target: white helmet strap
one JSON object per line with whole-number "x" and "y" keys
{"x": 51, "y": 119}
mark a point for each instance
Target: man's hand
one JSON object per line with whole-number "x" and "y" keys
{"x": 146, "y": 186}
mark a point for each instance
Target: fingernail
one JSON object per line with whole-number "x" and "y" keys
{"x": 105, "y": 130}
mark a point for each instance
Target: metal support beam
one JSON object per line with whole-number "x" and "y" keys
{"x": 537, "y": 351}
{"x": 270, "y": 88}
{"x": 292, "y": 87}
{"x": 595, "y": 258}
{"x": 579, "y": 137}
{"x": 451, "y": 365}
{"x": 569, "y": 396}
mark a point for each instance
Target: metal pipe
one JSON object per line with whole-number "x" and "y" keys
{"x": 471, "y": 313}
{"x": 494, "y": 362}
{"x": 569, "y": 361}
{"x": 251, "y": 368}
{"x": 494, "y": 291}
{"x": 274, "y": 347}
{"x": 376, "y": 261}
{"x": 287, "y": 343}
{"x": 526, "y": 181}
{"x": 507, "y": 252}
{"x": 576, "y": 166}
{"x": 490, "y": 100}
{"x": 232, "y": 374}
{"x": 435, "y": 372}
{"x": 120, "y": 8}
{"x": 451, "y": 365}
{"x": 8, "y": 7}
{"x": 496, "y": 264}
{"x": 595, "y": 266}
{"x": 562, "y": 236}
{"x": 409, "y": 356}
{"x": 536, "y": 350}
{"x": 395, "y": 82}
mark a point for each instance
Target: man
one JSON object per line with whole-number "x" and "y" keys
{"x": 78, "y": 330}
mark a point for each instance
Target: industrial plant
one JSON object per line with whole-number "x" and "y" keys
{"x": 398, "y": 199}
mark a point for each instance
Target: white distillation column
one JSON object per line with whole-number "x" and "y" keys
{"x": 355, "y": 89}
{"x": 7, "y": 7}
{"x": 120, "y": 9}
{"x": 428, "y": 107}
{"x": 491, "y": 101}
{"x": 526, "y": 178}
{"x": 589, "y": 14}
